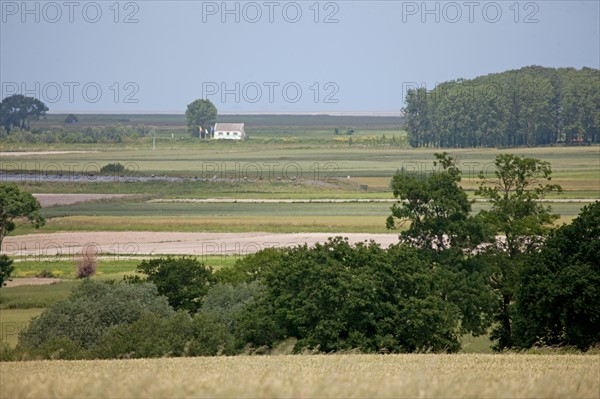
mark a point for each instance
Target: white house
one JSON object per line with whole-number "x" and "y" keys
{"x": 230, "y": 131}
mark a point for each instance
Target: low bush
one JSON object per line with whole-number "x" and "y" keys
{"x": 86, "y": 264}
{"x": 92, "y": 309}
{"x": 184, "y": 280}
{"x": 155, "y": 336}
{"x": 225, "y": 302}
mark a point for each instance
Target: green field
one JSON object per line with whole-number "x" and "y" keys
{"x": 321, "y": 171}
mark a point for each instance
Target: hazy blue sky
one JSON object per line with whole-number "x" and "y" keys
{"x": 276, "y": 56}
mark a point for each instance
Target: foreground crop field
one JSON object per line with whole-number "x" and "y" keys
{"x": 397, "y": 376}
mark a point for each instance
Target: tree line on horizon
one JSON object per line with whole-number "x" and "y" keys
{"x": 531, "y": 106}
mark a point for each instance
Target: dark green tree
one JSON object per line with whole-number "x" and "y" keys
{"x": 18, "y": 111}
{"x": 155, "y": 336}
{"x": 530, "y": 106}
{"x": 336, "y": 296}
{"x": 15, "y": 205}
{"x": 520, "y": 222}
{"x": 558, "y": 290}
{"x": 71, "y": 119}
{"x": 200, "y": 113}
{"x": 435, "y": 207}
{"x": 184, "y": 281}
{"x": 6, "y": 269}
{"x": 437, "y": 211}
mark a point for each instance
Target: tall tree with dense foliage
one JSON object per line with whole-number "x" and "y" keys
{"x": 529, "y": 106}
{"x": 558, "y": 290}
{"x": 521, "y": 221}
{"x": 200, "y": 113}
{"x": 15, "y": 205}
{"x": 184, "y": 280}
{"x": 437, "y": 211}
{"x": 18, "y": 111}
{"x": 335, "y": 296}
{"x": 435, "y": 207}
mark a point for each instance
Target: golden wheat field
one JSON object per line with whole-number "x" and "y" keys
{"x": 307, "y": 376}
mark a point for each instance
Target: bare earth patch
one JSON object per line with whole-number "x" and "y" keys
{"x": 131, "y": 243}
{"x": 17, "y": 282}
{"x": 28, "y": 153}
{"x": 46, "y": 200}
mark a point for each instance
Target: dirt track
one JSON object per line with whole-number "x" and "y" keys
{"x": 17, "y": 282}
{"x": 29, "y": 153}
{"x": 125, "y": 244}
{"x": 68, "y": 199}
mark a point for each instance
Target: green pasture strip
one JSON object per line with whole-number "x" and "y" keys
{"x": 13, "y": 321}
{"x": 34, "y": 296}
{"x": 318, "y": 211}
{"x": 213, "y": 209}
{"x": 360, "y": 159}
{"x": 367, "y": 217}
{"x": 65, "y": 266}
{"x": 222, "y": 224}
{"x": 323, "y": 169}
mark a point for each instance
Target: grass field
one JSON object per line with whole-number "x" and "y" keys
{"x": 13, "y": 321}
{"x": 324, "y": 169}
{"x": 305, "y": 376}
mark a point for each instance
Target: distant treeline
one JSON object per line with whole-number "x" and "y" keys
{"x": 87, "y": 135}
{"x": 526, "y": 107}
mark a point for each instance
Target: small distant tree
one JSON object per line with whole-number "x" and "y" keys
{"x": 116, "y": 167}
{"x": 16, "y": 205}
{"x": 6, "y": 268}
{"x": 18, "y": 111}
{"x": 86, "y": 264}
{"x": 200, "y": 113}
{"x": 71, "y": 119}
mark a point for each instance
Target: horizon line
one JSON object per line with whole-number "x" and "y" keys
{"x": 334, "y": 113}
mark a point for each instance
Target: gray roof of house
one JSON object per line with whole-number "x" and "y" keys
{"x": 229, "y": 127}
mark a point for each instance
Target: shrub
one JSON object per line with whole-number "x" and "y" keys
{"x": 91, "y": 309}
{"x": 112, "y": 168}
{"x": 60, "y": 347}
{"x": 6, "y": 268}
{"x": 184, "y": 281}
{"x": 86, "y": 264}
{"x": 45, "y": 274}
{"x": 154, "y": 336}
{"x": 558, "y": 290}
{"x": 250, "y": 267}
{"x": 71, "y": 119}
{"x": 225, "y": 302}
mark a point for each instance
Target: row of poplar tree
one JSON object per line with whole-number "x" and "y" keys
{"x": 531, "y": 106}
